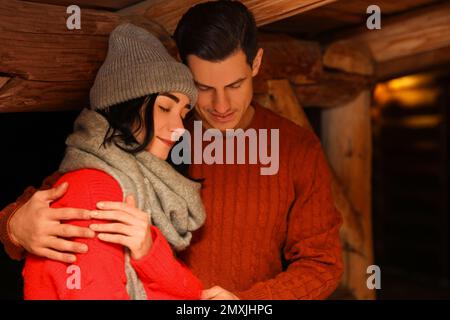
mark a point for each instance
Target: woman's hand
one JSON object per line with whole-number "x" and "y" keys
{"x": 131, "y": 226}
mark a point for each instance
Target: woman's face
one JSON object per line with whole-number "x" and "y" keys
{"x": 168, "y": 113}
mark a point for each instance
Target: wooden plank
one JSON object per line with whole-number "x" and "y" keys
{"x": 52, "y": 57}
{"x": 412, "y": 64}
{"x": 92, "y": 4}
{"x": 346, "y": 137}
{"x": 284, "y": 102}
{"x": 61, "y": 57}
{"x": 36, "y": 18}
{"x": 287, "y": 57}
{"x": 20, "y": 95}
{"x": 4, "y": 81}
{"x": 348, "y": 56}
{"x": 169, "y": 12}
{"x": 42, "y": 54}
{"x": 406, "y": 34}
{"x": 314, "y": 22}
{"x": 388, "y": 7}
{"x": 332, "y": 90}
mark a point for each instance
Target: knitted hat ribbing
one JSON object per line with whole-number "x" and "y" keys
{"x": 138, "y": 64}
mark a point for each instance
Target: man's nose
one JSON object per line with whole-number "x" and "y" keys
{"x": 221, "y": 103}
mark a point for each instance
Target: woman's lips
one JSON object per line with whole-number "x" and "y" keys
{"x": 223, "y": 118}
{"x": 169, "y": 143}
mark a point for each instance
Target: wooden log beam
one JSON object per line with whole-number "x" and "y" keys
{"x": 332, "y": 90}
{"x": 4, "y": 81}
{"x": 20, "y": 95}
{"x": 412, "y": 64}
{"x": 36, "y": 18}
{"x": 282, "y": 100}
{"x": 422, "y": 30}
{"x": 301, "y": 62}
{"x": 53, "y": 67}
{"x": 49, "y": 66}
{"x": 92, "y": 4}
{"x": 350, "y": 57}
{"x": 169, "y": 12}
{"x": 287, "y": 57}
{"x": 346, "y": 137}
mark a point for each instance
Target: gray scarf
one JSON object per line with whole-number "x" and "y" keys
{"x": 172, "y": 200}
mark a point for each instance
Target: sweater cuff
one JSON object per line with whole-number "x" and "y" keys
{"x": 12, "y": 248}
{"x": 159, "y": 261}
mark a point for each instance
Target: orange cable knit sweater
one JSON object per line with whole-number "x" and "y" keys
{"x": 265, "y": 236}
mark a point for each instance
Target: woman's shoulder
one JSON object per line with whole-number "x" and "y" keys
{"x": 87, "y": 187}
{"x": 84, "y": 175}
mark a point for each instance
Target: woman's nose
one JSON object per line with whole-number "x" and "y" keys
{"x": 177, "y": 133}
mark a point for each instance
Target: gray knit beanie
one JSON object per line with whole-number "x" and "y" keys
{"x": 138, "y": 64}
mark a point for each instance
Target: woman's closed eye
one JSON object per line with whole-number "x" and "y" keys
{"x": 164, "y": 109}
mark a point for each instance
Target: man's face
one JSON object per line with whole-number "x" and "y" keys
{"x": 225, "y": 89}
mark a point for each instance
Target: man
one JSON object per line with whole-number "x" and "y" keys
{"x": 266, "y": 236}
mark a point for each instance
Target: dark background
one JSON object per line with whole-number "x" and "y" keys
{"x": 32, "y": 146}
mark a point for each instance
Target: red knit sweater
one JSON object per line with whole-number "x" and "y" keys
{"x": 269, "y": 236}
{"x": 265, "y": 237}
{"x": 102, "y": 268}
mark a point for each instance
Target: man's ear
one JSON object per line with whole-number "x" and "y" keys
{"x": 257, "y": 62}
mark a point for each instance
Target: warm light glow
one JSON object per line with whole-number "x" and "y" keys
{"x": 409, "y": 82}
{"x": 422, "y": 121}
{"x": 409, "y": 91}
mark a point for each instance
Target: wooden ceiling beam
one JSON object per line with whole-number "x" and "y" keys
{"x": 168, "y": 12}
{"x": 407, "y": 34}
{"x": 92, "y": 4}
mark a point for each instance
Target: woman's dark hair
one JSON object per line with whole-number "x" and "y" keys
{"x": 123, "y": 117}
{"x": 216, "y": 29}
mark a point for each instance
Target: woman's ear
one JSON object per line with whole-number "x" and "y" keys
{"x": 257, "y": 62}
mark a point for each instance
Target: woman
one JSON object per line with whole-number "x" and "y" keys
{"x": 118, "y": 149}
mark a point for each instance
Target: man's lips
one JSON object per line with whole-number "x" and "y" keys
{"x": 167, "y": 142}
{"x": 223, "y": 117}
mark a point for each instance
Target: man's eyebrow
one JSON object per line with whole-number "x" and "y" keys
{"x": 235, "y": 82}
{"x": 228, "y": 85}
{"x": 201, "y": 84}
{"x": 171, "y": 96}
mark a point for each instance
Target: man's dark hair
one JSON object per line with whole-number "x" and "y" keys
{"x": 216, "y": 29}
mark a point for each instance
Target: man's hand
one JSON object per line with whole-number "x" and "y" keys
{"x": 38, "y": 228}
{"x": 217, "y": 293}
{"x": 129, "y": 226}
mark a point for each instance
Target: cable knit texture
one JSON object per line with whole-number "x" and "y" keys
{"x": 265, "y": 237}
{"x": 102, "y": 271}
{"x": 253, "y": 220}
{"x": 138, "y": 64}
